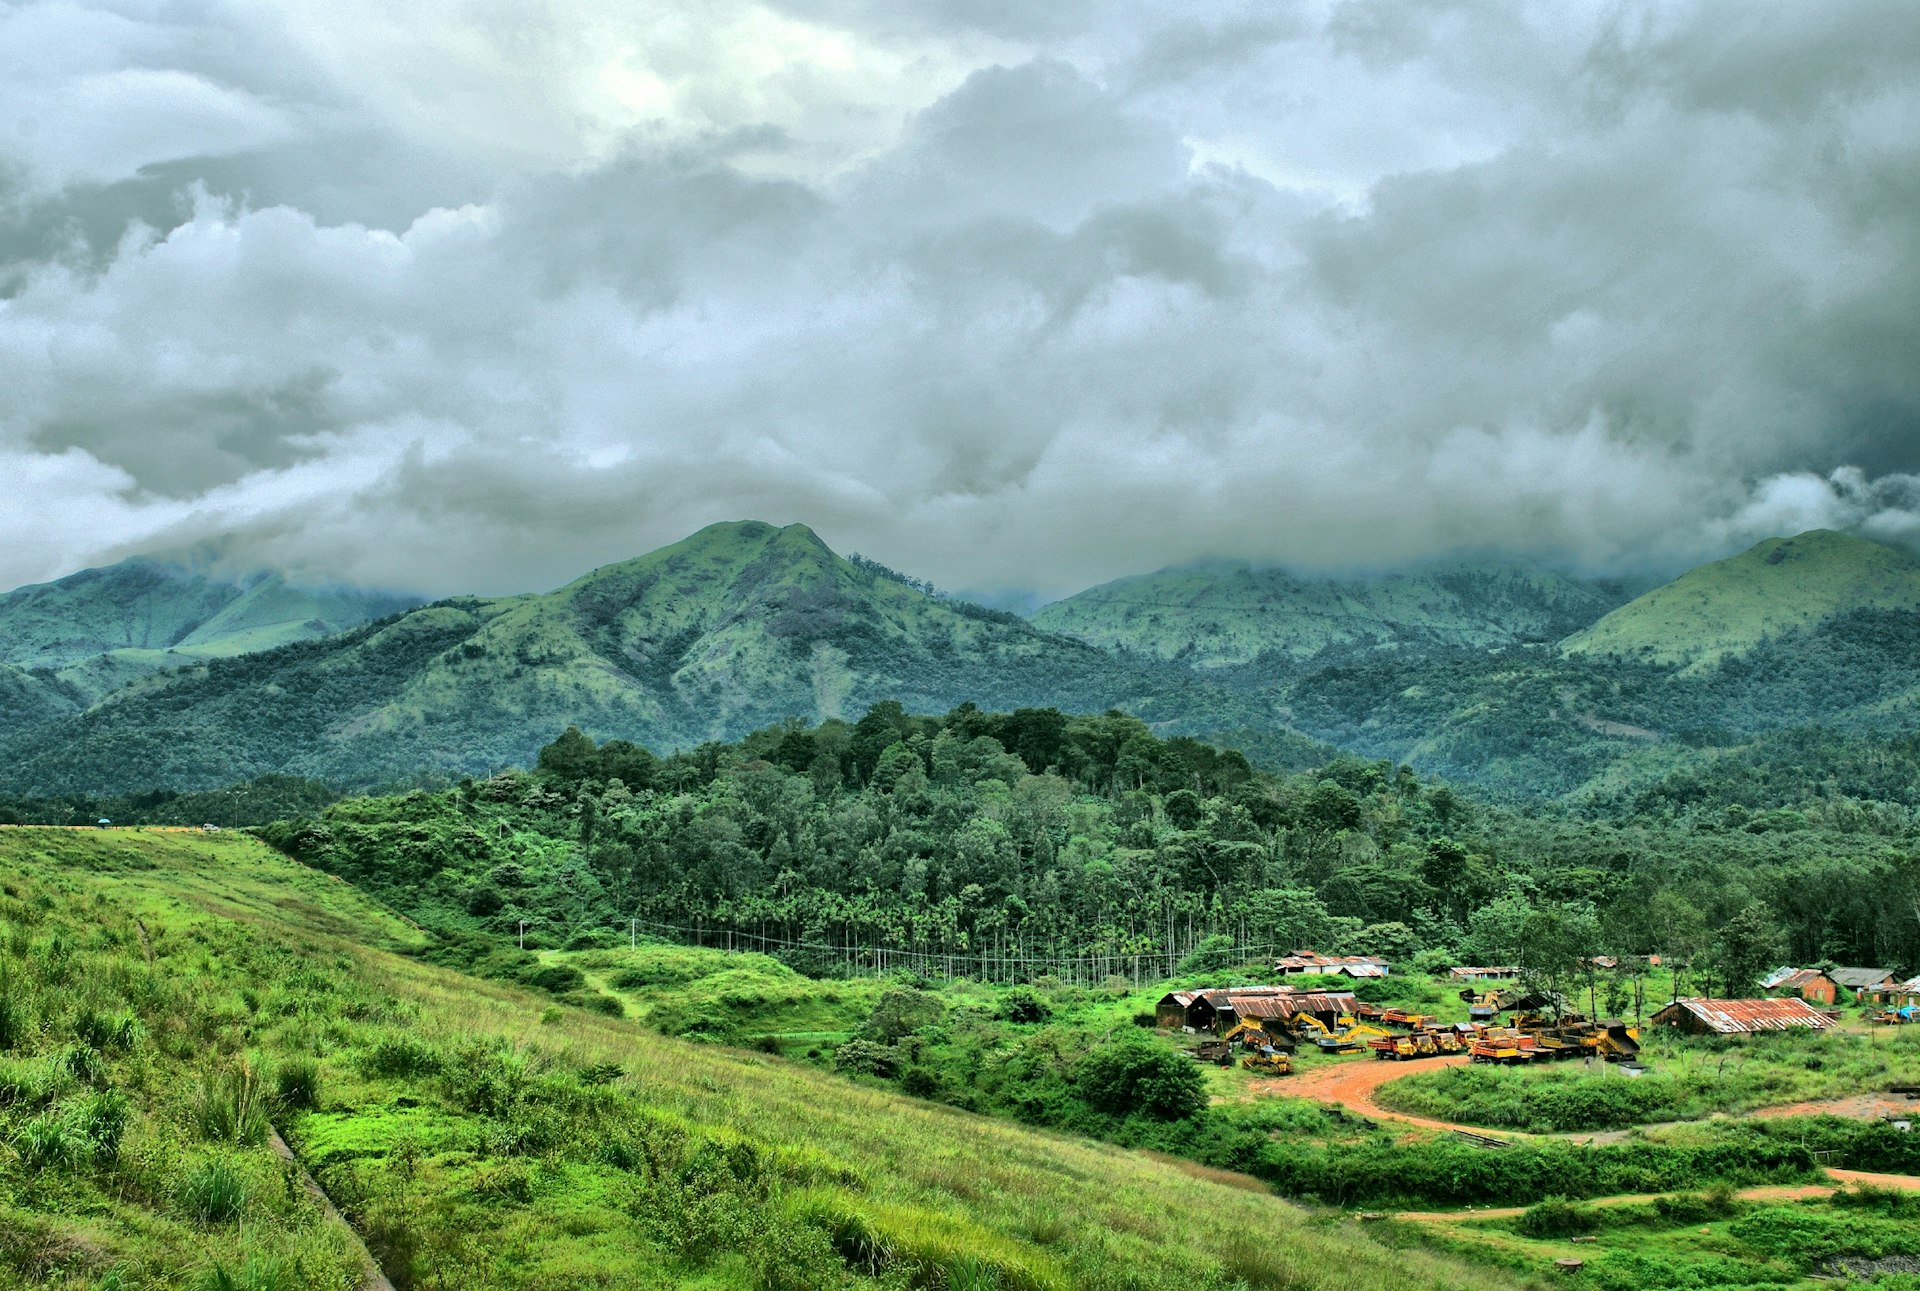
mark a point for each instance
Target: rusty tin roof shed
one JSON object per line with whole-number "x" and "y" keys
{"x": 1734, "y": 1017}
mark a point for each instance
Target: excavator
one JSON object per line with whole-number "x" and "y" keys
{"x": 1348, "y": 1039}
{"x": 1265, "y": 1052}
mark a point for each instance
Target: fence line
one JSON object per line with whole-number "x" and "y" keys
{"x": 996, "y": 964}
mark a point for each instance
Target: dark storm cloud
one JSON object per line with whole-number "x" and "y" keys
{"x": 1008, "y": 295}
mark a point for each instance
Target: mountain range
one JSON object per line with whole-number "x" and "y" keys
{"x": 1221, "y": 615}
{"x": 1529, "y": 682}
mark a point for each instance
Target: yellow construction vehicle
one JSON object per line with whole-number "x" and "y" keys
{"x": 1268, "y": 1062}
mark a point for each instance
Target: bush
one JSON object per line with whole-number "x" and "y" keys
{"x": 296, "y": 1085}
{"x": 1555, "y": 1217}
{"x": 920, "y": 1082}
{"x": 900, "y": 1011}
{"x": 45, "y": 1143}
{"x": 865, "y": 1058}
{"x": 1125, "y": 1077}
{"x": 1692, "y": 1208}
{"x": 230, "y": 1106}
{"x": 212, "y": 1191}
{"x": 1024, "y": 1004}
{"x": 1210, "y": 956}
{"x": 99, "y": 1120}
{"x": 555, "y": 978}
{"x": 398, "y": 1054}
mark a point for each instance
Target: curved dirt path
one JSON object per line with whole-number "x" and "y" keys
{"x": 1351, "y": 1083}
{"x": 1768, "y": 1192}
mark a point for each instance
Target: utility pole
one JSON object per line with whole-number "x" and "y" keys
{"x": 633, "y": 933}
{"x": 523, "y": 934}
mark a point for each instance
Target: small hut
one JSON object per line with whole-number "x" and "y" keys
{"x": 1741, "y": 1017}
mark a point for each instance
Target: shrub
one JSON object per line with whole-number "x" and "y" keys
{"x": 865, "y": 1058}
{"x": 901, "y": 1010}
{"x": 1210, "y": 956}
{"x": 212, "y": 1191}
{"x": 296, "y": 1085}
{"x": 1555, "y": 1217}
{"x": 555, "y": 978}
{"x": 45, "y": 1143}
{"x": 398, "y": 1054}
{"x": 1131, "y": 1076}
{"x": 1690, "y": 1208}
{"x": 84, "y": 1064}
{"x": 1024, "y": 1004}
{"x": 99, "y": 1120}
{"x": 230, "y": 1106}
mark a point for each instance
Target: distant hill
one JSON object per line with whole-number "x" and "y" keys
{"x": 1223, "y": 615}
{"x": 737, "y": 627}
{"x": 1730, "y": 606}
{"x": 101, "y": 628}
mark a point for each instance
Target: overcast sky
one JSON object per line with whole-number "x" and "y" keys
{"x": 1006, "y": 294}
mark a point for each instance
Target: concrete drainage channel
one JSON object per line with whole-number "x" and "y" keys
{"x": 372, "y": 1278}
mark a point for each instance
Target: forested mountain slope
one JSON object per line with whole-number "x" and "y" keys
{"x": 100, "y": 628}
{"x": 738, "y": 626}
{"x": 1219, "y": 615}
{"x": 1731, "y": 606}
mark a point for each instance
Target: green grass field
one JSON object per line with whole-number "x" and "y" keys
{"x": 1689, "y": 1078}
{"x": 168, "y": 994}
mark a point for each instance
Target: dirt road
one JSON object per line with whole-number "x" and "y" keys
{"x": 1770, "y": 1192}
{"x": 1351, "y": 1084}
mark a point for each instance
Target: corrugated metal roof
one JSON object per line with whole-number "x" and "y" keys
{"x": 1778, "y": 976}
{"x": 1364, "y": 970}
{"x": 1732, "y": 1016}
{"x": 1465, "y": 971}
{"x": 1798, "y": 980}
{"x": 1285, "y": 1006}
{"x": 1857, "y": 978}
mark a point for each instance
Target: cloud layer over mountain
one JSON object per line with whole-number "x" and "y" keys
{"x": 1010, "y": 295}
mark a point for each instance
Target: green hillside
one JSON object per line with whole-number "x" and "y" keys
{"x": 101, "y": 628}
{"x": 1730, "y": 606}
{"x": 737, "y": 627}
{"x": 167, "y": 997}
{"x": 1220, "y": 615}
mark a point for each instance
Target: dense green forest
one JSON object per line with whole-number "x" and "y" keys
{"x": 1033, "y": 834}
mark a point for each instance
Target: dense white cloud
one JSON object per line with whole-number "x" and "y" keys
{"x": 472, "y": 297}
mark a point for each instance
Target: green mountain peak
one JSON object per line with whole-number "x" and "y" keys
{"x": 1730, "y": 606}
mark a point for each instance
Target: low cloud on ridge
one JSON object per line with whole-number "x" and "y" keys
{"x": 1008, "y": 298}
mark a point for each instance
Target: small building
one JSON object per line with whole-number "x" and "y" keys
{"x": 1198, "y": 1009}
{"x": 1303, "y": 962}
{"x": 1809, "y": 984}
{"x": 1898, "y": 995}
{"x": 1325, "y": 1007}
{"x": 1740, "y": 1017}
{"x": 1862, "y": 979}
{"x": 1171, "y": 1011}
{"x": 1504, "y": 973}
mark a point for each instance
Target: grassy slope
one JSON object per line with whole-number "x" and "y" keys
{"x": 1221, "y": 615}
{"x": 1729, "y": 606}
{"x": 483, "y": 1138}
